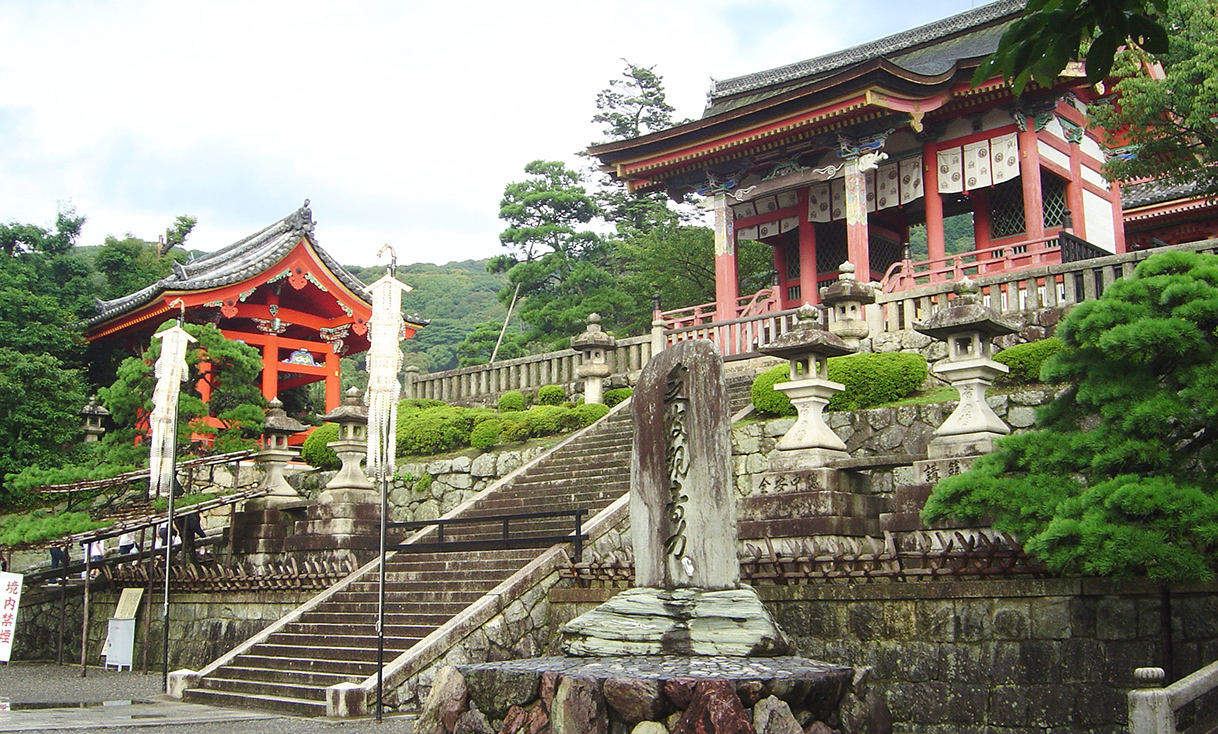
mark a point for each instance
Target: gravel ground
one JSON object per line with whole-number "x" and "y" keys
{"x": 43, "y": 683}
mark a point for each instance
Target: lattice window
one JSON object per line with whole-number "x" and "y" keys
{"x": 831, "y": 249}
{"x": 1006, "y": 210}
{"x": 791, "y": 250}
{"x": 882, "y": 253}
{"x": 794, "y": 293}
{"x": 1053, "y": 199}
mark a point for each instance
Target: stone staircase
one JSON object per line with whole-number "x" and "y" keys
{"x": 334, "y": 641}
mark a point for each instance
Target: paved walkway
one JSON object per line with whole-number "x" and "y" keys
{"x": 45, "y": 697}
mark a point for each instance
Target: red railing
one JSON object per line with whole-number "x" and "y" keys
{"x": 738, "y": 338}
{"x": 763, "y": 301}
{"x": 905, "y": 274}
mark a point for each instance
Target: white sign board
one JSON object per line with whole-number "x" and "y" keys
{"x": 10, "y": 599}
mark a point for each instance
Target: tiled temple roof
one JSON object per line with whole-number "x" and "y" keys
{"x": 928, "y": 50}
{"x": 233, "y": 264}
{"x": 1146, "y": 193}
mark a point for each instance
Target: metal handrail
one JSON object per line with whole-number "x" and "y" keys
{"x": 504, "y": 541}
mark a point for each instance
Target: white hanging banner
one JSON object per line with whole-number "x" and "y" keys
{"x": 170, "y": 373}
{"x": 818, "y": 203}
{"x": 951, "y": 173}
{"x": 1004, "y": 152}
{"x": 977, "y": 165}
{"x": 384, "y": 361}
{"x": 10, "y": 602}
{"x": 837, "y": 188}
{"x": 887, "y": 186}
{"x": 911, "y": 179}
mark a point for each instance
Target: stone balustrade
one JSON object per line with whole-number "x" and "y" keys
{"x": 485, "y": 383}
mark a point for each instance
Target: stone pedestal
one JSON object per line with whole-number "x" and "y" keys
{"x": 972, "y": 427}
{"x": 810, "y": 443}
{"x": 646, "y": 621}
{"x": 682, "y": 695}
{"x": 343, "y": 525}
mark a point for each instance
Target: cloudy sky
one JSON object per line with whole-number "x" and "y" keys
{"x": 401, "y": 121}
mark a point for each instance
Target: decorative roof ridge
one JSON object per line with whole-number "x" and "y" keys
{"x": 897, "y": 42}
{"x": 238, "y": 261}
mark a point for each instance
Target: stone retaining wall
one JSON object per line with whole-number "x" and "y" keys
{"x": 1001, "y": 656}
{"x": 875, "y": 432}
{"x": 202, "y": 626}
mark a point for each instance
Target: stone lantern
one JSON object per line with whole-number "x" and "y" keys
{"x": 809, "y": 443}
{"x": 94, "y": 414}
{"x": 352, "y": 444}
{"x": 593, "y": 344}
{"x": 968, "y": 327}
{"x": 847, "y": 299}
{"x": 276, "y": 452}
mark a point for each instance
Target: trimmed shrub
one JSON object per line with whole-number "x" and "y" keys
{"x": 436, "y": 430}
{"x": 315, "y": 451}
{"x": 767, "y": 400}
{"x": 1025, "y": 360}
{"x": 514, "y": 431}
{"x": 617, "y": 395}
{"x": 486, "y": 434}
{"x": 870, "y": 380}
{"x": 875, "y": 379}
{"x": 512, "y": 401}
{"x": 590, "y": 413}
{"x": 551, "y": 395}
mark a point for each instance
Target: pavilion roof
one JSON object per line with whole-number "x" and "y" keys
{"x": 928, "y": 50}
{"x": 236, "y": 263}
{"x": 1156, "y": 191}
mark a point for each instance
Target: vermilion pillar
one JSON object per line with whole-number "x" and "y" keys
{"x": 936, "y": 248}
{"x": 333, "y": 381}
{"x": 727, "y": 284}
{"x": 981, "y": 218}
{"x": 1029, "y": 172}
{"x": 807, "y": 253}
{"x": 858, "y": 245}
{"x": 1074, "y": 192}
{"x": 270, "y": 367}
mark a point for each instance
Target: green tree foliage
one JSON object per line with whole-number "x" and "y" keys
{"x": 1170, "y": 125}
{"x": 1051, "y": 33}
{"x": 236, "y": 399}
{"x": 1118, "y": 479}
{"x": 634, "y": 104}
{"x": 40, "y": 402}
{"x": 17, "y": 238}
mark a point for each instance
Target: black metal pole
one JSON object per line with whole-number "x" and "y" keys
{"x": 380, "y": 599}
{"x": 173, "y": 472}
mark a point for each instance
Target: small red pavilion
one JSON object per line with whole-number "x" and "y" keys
{"x": 277, "y": 290}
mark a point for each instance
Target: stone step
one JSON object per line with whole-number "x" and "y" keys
{"x": 282, "y": 689}
{"x": 398, "y": 608}
{"x": 392, "y": 641}
{"x": 457, "y": 594}
{"x": 360, "y": 629}
{"x": 309, "y": 664}
{"x": 284, "y": 704}
{"x": 433, "y": 619}
{"x": 816, "y": 503}
{"x": 805, "y": 526}
{"x": 313, "y": 679}
{"x": 323, "y": 650}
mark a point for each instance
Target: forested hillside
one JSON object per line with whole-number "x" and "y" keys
{"x": 455, "y": 297}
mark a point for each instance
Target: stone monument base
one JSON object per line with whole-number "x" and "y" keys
{"x": 682, "y": 695}
{"x": 962, "y": 445}
{"x": 647, "y": 621}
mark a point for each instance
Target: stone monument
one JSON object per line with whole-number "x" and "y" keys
{"x": 688, "y": 599}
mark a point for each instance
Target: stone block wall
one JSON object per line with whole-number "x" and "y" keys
{"x": 998, "y": 656}
{"x": 202, "y": 626}
{"x": 904, "y": 429}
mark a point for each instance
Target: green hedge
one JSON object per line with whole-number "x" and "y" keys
{"x": 486, "y": 434}
{"x": 316, "y": 453}
{"x": 590, "y": 413}
{"x": 1026, "y": 359}
{"x": 870, "y": 380}
{"x": 511, "y": 401}
{"x": 551, "y": 395}
{"x": 617, "y": 395}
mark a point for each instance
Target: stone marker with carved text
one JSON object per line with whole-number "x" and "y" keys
{"x": 688, "y": 599}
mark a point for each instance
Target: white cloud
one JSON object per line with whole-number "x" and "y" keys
{"x": 401, "y": 121}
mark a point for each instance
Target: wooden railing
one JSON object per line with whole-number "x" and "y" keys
{"x": 738, "y": 338}
{"x": 763, "y": 301}
{"x": 523, "y": 373}
{"x": 906, "y": 274}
